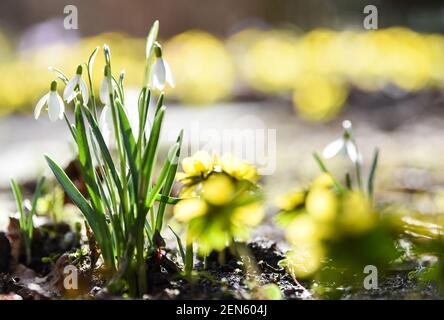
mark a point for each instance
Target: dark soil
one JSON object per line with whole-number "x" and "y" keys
{"x": 398, "y": 286}
{"x": 5, "y": 253}
{"x": 212, "y": 279}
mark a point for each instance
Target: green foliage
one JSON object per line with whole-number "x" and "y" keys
{"x": 26, "y": 219}
{"x": 122, "y": 188}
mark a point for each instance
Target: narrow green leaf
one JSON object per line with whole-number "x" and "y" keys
{"x": 372, "y": 174}
{"x": 179, "y": 245}
{"x": 85, "y": 159}
{"x": 171, "y": 159}
{"x": 151, "y": 38}
{"x": 324, "y": 169}
{"x": 166, "y": 199}
{"x": 169, "y": 181}
{"x": 149, "y": 157}
{"x": 91, "y": 60}
{"x": 71, "y": 127}
{"x": 348, "y": 181}
{"x": 96, "y": 220}
{"x": 59, "y": 74}
{"x": 104, "y": 149}
{"x": 129, "y": 143}
{"x": 19, "y": 202}
{"x": 73, "y": 193}
{"x": 90, "y": 65}
{"x": 35, "y": 198}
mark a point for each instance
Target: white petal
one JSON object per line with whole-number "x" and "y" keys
{"x": 106, "y": 124}
{"x": 53, "y": 107}
{"x": 333, "y": 148}
{"x": 62, "y": 106}
{"x": 68, "y": 93}
{"x": 40, "y": 104}
{"x": 84, "y": 91}
{"x": 352, "y": 151}
{"x": 104, "y": 92}
{"x": 158, "y": 74}
{"x": 169, "y": 75}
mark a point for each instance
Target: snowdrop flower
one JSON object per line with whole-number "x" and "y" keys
{"x": 106, "y": 124}
{"x": 104, "y": 89}
{"x": 344, "y": 145}
{"x": 56, "y": 107}
{"x": 70, "y": 90}
{"x": 161, "y": 72}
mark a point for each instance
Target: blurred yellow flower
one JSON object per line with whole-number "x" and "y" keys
{"x": 325, "y": 180}
{"x": 188, "y": 209}
{"x": 322, "y": 204}
{"x": 303, "y": 230}
{"x": 249, "y": 215}
{"x": 201, "y": 163}
{"x": 303, "y": 260}
{"x": 291, "y": 199}
{"x": 237, "y": 168}
{"x": 218, "y": 189}
{"x": 356, "y": 215}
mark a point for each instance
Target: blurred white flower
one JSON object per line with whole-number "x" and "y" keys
{"x": 56, "y": 107}
{"x": 70, "y": 93}
{"x": 344, "y": 145}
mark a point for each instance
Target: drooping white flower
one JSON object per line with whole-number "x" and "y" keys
{"x": 344, "y": 145}
{"x": 104, "y": 92}
{"x": 106, "y": 125}
{"x": 56, "y": 107}
{"x": 161, "y": 72}
{"x": 104, "y": 88}
{"x": 70, "y": 90}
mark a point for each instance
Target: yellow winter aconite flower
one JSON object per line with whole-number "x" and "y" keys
{"x": 322, "y": 204}
{"x": 249, "y": 215}
{"x": 237, "y": 168}
{"x": 291, "y": 199}
{"x": 303, "y": 260}
{"x": 201, "y": 163}
{"x": 357, "y": 215}
{"x": 218, "y": 189}
{"x": 335, "y": 225}
{"x": 303, "y": 229}
{"x": 228, "y": 202}
{"x": 189, "y": 209}
{"x": 325, "y": 180}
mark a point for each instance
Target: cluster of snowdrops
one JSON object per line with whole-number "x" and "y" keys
{"x": 333, "y": 227}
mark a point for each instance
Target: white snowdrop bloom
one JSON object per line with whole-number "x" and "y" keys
{"x": 104, "y": 92}
{"x": 70, "y": 93}
{"x": 344, "y": 145}
{"x": 56, "y": 107}
{"x": 106, "y": 124}
{"x": 104, "y": 88}
{"x": 161, "y": 72}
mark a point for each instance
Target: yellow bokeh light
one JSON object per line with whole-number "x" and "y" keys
{"x": 202, "y": 67}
